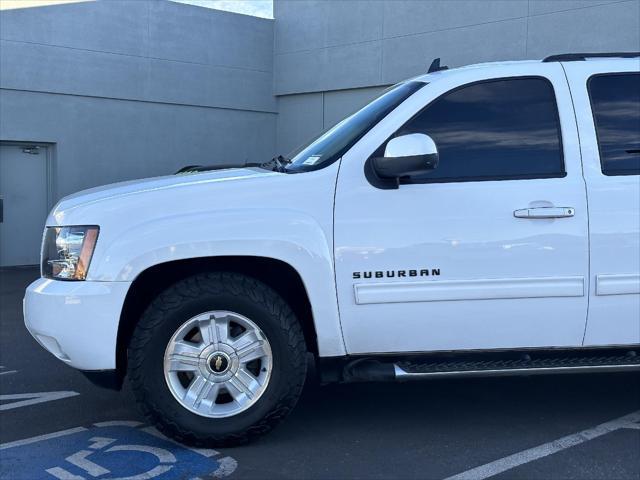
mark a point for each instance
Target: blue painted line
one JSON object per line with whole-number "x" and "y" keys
{"x": 115, "y": 450}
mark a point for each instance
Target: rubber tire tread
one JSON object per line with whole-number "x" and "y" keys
{"x": 188, "y": 290}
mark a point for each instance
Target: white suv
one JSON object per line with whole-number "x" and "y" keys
{"x": 481, "y": 220}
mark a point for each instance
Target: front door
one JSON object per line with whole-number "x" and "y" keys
{"x": 487, "y": 251}
{"x": 23, "y": 208}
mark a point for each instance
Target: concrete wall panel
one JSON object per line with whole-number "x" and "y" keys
{"x": 602, "y": 28}
{"x": 99, "y": 141}
{"x": 87, "y": 26}
{"x": 300, "y": 119}
{"x": 299, "y": 71}
{"x": 300, "y": 25}
{"x": 333, "y": 68}
{"x": 410, "y": 17}
{"x": 192, "y": 34}
{"x": 538, "y": 7}
{"x": 46, "y": 68}
{"x": 354, "y": 21}
{"x": 241, "y": 41}
{"x": 178, "y": 32}
{"x": 405, "y": 57}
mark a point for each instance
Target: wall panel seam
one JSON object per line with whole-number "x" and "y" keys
{"x": 413, "y": 34}
{"x": 187, "y": 62}
{"x": 125, "y": 99}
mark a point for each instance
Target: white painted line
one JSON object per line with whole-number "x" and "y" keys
{"x": 80, "y": 460}
{"x": 205, "y": 452}
{"x": 32, "y": 398}
{"x": 163, "y": 456}
{"x": 40, "y": 438}
{"x": 62, "y": 474}
{"x": 8, "y": 372}
{"x": 118, "y": 423}
{"x": 227, "y": 466}
{"x": 100, "y": 442}
{"x": 541, "y": 451}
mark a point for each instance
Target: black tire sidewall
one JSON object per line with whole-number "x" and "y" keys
{"x": 286, "y": 370}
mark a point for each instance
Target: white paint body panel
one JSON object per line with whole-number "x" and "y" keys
{"x": 76, "y": 321}
{"x": 614, "y": 223}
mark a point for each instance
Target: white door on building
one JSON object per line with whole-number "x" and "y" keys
{"x": 23, "y": 193}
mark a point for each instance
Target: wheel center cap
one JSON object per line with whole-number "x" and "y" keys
{"x": 218, "y": 362}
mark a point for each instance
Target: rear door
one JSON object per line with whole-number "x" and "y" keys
{"x": 489, "y": 250}
{"x": 606, "y": 95}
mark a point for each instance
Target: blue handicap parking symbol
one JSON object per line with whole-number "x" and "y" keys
{"x": 109, "y": 450}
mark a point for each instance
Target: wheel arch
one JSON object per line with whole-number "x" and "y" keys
{"x": 150, "y": 282}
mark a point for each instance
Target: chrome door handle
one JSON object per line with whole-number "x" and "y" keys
{"x": 545, "y": 212}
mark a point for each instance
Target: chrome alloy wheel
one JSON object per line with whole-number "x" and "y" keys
{"x": 218, "y": 364}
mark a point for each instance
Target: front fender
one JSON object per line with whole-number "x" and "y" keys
{"x": 290, "y": 236}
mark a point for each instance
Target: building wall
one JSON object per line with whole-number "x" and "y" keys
{"x": 329, "y": 51}
{"x": 128, "y": 89}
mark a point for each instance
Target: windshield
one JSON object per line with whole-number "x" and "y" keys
{"x": 334, "y": 143}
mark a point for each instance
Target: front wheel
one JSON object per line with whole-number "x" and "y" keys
{"x": 217, "y": 359}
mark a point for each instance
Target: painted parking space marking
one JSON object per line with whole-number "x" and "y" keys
{"x": 18, "y": 400}
{"x": 40, "y": 438}
{"x": 631, "y": 421}
{"x": 114, "y": 450}
{"x": 205, "y": 452}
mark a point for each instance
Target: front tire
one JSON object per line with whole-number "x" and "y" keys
{"x": 217, "y": 359}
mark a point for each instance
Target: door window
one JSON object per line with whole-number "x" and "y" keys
{"x": 493, "y": 130}
{"x": 615, "y": 102}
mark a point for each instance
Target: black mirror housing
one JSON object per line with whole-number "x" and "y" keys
{"x": 399, "y": 167}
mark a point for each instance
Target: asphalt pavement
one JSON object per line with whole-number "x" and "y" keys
{"x": 55, "y": 424}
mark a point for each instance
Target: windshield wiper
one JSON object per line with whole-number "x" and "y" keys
{"x": 276, "y": 164}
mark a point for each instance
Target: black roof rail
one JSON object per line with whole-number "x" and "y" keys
{"x": 576, "y": 57}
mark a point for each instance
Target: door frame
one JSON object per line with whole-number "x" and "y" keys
{"x": 49, "y": 159}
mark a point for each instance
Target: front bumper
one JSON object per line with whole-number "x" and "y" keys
{"x": 76, "y": 321}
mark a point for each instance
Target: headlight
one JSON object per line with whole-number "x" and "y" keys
{"x": 67, "y": 252}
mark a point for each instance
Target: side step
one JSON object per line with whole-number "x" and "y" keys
{"x": 416, "y": 368}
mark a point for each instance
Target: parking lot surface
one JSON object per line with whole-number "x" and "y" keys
{"x": 55, "y": 424}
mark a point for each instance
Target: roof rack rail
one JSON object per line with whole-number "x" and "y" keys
{"x": 576, "y": 57}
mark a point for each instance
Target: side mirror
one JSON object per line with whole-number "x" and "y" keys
{"x": 407, "y": 155}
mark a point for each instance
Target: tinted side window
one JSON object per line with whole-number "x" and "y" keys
{"x": 615, "y": 102}
{"x": 493, "y": 130}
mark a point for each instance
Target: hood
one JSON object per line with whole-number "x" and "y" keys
{"x": 134, "y": 187}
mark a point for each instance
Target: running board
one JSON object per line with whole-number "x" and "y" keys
{"x": 509, "y": 364}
